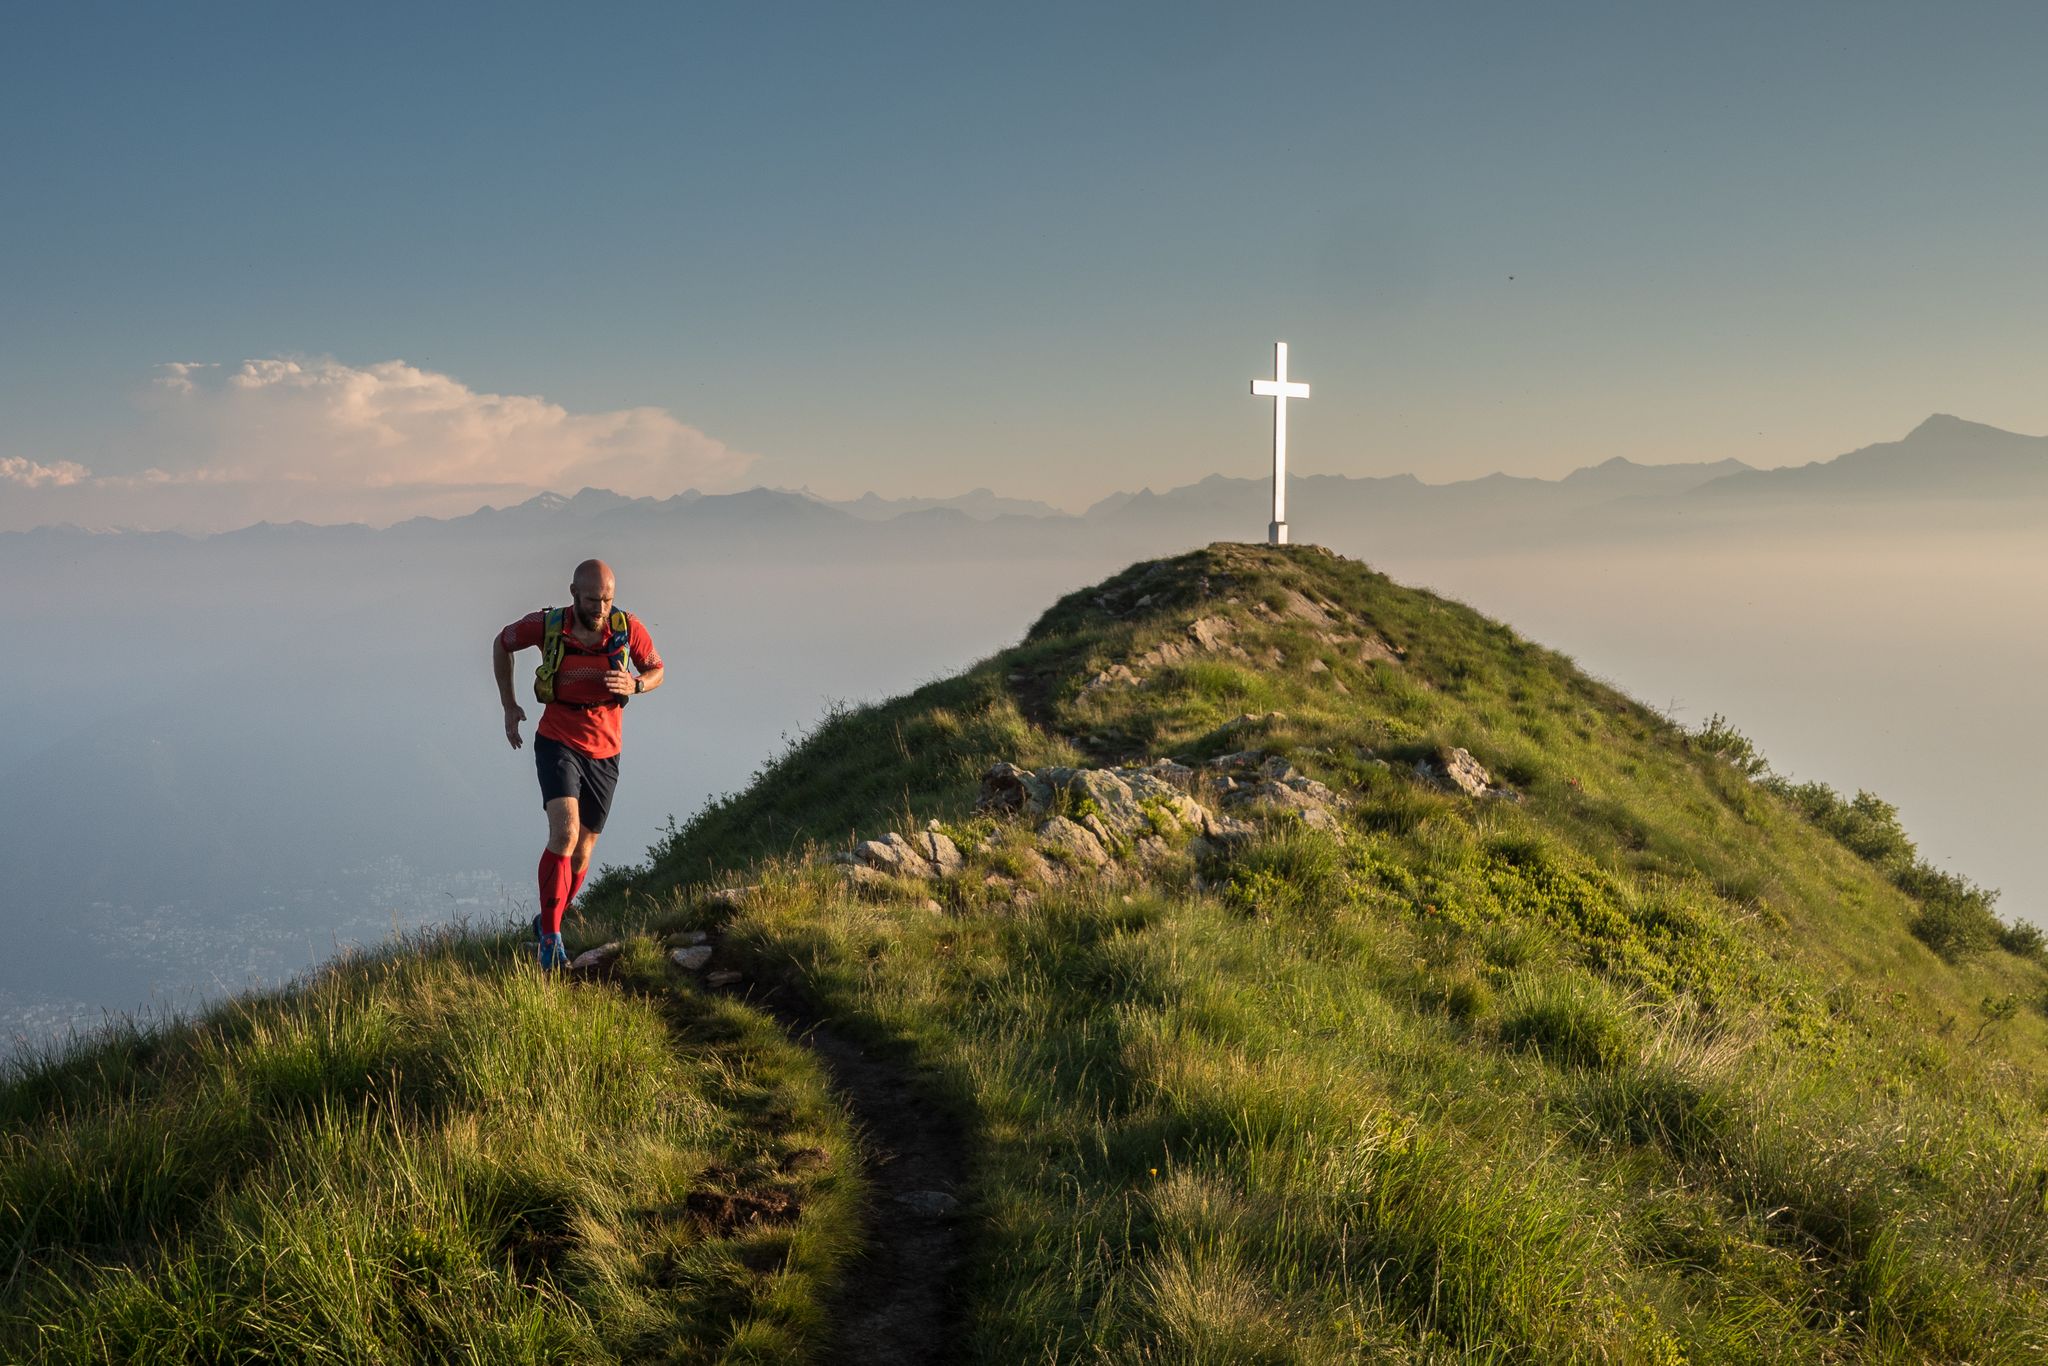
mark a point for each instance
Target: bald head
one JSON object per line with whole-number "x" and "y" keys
{"x": 592, "y": 589}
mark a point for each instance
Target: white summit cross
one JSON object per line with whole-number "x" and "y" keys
{"x": 1279, "y": 390}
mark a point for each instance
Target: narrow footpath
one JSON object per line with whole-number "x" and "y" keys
{"x": 899, "y": 1305}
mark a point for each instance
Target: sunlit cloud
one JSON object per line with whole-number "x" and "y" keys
{"x": 291, "y": 438}
{"x": 395, "y": 425}
{"x": 18, "y": 470}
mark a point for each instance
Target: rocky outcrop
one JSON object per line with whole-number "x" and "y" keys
{"x": 927, "y": 855}
{"x": 1069, "y": 821}
{"x": 1253, "y": 778}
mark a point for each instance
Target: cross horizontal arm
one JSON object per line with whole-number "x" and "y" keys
{"x": 1267, "y": 388}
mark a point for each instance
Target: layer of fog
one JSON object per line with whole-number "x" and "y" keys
{"x": 229, "y": 765}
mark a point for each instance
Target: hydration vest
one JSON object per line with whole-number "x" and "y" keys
{"x": 554, "y": 644}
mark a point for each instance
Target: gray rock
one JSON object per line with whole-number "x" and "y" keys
{"x": 908, "y": 860}
{"x": 692, "y": 959}
{"x": 1099, "y": 828}
{"x": 1006, "y": 787}
{"x": 1372, "y": 649}
{"x": 1319, "y": 818}
{"x": 1062, "y": 835}
{"x": 1163, "y": 771}
{"x": 724, "y": 978}
{"x": 939, "y": 850}
{"x": 1295, "y": 605}
{"x": 876, "y": 854}
{"x": 862, "y": 878}
{"x": 1465, "y": 773}
{"x": 1211, "y": 633}
{"x": 1226, "y": 830}
{"x": 1116, "y": 675}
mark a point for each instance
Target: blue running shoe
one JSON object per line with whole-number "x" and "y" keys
{"x": 552, "y": 954}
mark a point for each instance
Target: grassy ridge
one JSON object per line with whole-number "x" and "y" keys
{"x": 1650, "y": 1065}
{"x": 429, "y": 1156}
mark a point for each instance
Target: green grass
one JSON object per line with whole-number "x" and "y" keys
{"x": 430, "y": 1156}
{"x": 1669, "y": 1059}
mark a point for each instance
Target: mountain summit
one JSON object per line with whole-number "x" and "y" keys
{"x": 1259, "y": 962}
{"x": 1943, "y": 456}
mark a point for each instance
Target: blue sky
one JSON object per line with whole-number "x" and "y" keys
{"x": 922, "y": 248}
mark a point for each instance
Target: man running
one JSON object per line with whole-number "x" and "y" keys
{"x": 576, "y": 745}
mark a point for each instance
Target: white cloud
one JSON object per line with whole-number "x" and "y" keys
{"x": 17, "y": 470}
{"x": 395, "y": 426}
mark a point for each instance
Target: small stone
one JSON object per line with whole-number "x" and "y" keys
{"x": 692, "y": 959}
{"x": 928, "y": 1204}
{"x": 686, "y": 938}
{"x": 597, "y": 962}
{"x": 731, "y": 898}
{"x": 724, "y": 978}
{"x": 933, "y": 906}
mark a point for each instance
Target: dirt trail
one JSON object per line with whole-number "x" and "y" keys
{"x": 900, "y": 1303}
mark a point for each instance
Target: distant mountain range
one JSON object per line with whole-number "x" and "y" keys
{"x": 1944, "y": 458}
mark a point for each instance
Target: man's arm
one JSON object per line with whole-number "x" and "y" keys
{"x": 501, "y": 665}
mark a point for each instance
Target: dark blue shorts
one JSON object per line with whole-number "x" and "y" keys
{"x": 568, "y": 772}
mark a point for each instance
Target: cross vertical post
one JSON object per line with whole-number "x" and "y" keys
{"x": 1279, "y": 390}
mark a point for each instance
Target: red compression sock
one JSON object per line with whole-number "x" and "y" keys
{"x": 575, "y": 886}
{"x": 554, "y": 891}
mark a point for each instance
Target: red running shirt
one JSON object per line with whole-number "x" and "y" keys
{"x": 592, "y": 729}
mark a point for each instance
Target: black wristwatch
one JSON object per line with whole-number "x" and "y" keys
{"x": 636, "y": 685}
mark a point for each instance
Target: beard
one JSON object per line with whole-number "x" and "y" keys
{"x": 588, "y": 621}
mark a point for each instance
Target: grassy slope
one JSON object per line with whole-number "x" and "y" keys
{"x": 1645, "y": 1067}
{"x": 433, "y": 1155}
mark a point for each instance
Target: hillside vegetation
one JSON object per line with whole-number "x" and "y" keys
{"x": 1627, "y": 1050}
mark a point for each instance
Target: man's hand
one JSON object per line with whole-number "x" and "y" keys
{"x": 619, "y": 681}
{"x": 514, "y": 714}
